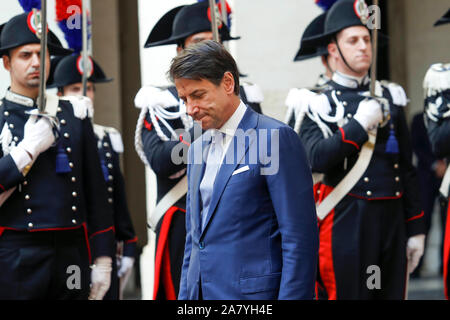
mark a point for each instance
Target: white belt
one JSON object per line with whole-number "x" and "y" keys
{"x": 175, "y": 194}
{"x": 349, "y": 181}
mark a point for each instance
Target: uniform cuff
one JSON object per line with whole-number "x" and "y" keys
{"x": 20, "y": 158}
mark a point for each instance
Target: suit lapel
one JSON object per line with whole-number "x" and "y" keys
{"x": 249, "y": 121}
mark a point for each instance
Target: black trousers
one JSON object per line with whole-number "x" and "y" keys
{"x": 44, "y": 265}
{"x": 357, "y": 237}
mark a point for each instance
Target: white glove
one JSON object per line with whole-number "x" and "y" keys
{"x": 126, "y": 264}
{"x": 100, "y": 277}
{"x": 150, "y": 96}
{"x": 369, "y": 114}
{"x": 414, "y": 251}
{"x": 38, "y": 136}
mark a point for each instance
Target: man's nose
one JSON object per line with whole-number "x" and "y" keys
{"x": 35, "y": 60}
{"x": 190, "y": 108}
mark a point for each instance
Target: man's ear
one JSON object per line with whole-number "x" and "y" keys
{"x": 228, "y": 82}
{"x": 332, "y": 50}
{"x": 7, "y": 62}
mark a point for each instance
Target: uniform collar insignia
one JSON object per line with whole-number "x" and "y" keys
{"x": 19, "y": 99}
{"x": 350, "y": 81}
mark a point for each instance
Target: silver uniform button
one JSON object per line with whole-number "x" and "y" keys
{"x": 397, "y": 179}
{"x": 16, "y": 139}
{"x": 71, "y": 164}
{"x": 66, "y": 135}
{"x": 110, "y": 189}
{"x": 369, "y": 193}
{"x": 106, "y": 144}
{"x": 11, "y": 126}
{"x": 69, "y": 150}
{"x": 397, "y": 194}
{"x": 110, "y": 178}
{"x": 108, "y": 155}
{"x": 366, "y": 179}
{"x": 338, "y": 93}
{"x": 6, "y": 113}
{"x": 59, "y": 109}
{"x": 27, "y": 197}
{"x": 74, "y": 194}
{"x": 74, "y": 179}
{"x": 345, "y": 103}
{"x": 110, "y": 166}
{"x": 349, "y": 116}
{"x": 74, "y": 221}
{"x": 74, "y": 208}
{"x": 110, "y": 200}
{"x": 30, "y": 225}
{"x": 29, "y": 211}
{"x": 63, "y": 122}
{"x": 396, "y": 166}
{"x": 25, "y": 183}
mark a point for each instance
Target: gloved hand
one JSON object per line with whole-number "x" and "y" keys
{"x": 414, "y": 251}
{"x": 100, "y": 277}
{"x": 369, "y": 114}
{"x": 126, "y": 264}
{"x": 150, "y": 96}
{"x": 38, "y": 136}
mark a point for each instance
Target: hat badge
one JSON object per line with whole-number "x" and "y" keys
{"x": 34, "y": 22}
{"x": 80, "y": 66}
{"x": 361, "y": 10}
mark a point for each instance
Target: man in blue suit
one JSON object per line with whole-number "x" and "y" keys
{"x": 251, "y": 222}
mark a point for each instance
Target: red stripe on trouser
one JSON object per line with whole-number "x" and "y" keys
{"x": 446, "y": 252}
{"x": 162, "y": 257}
{"x": 326, "y": 267}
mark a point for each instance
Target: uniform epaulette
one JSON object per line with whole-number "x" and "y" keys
{"x": 253, "y": 92}
{"x": 151, "y": 96}
{"x": 437, "y": 79}
{"x": 397, "y": 92}
{"x": 114, "y": 136}
{"x": 82, "y": 106}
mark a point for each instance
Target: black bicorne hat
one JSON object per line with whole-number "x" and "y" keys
{"x": 181, "y": 22}
{"x": 69, "y": 70}
{"x": 444, "y": 19}
{"x": 344, "y": 14}
{"x": 21, "y": 30}
{"x": 315, "y": 28}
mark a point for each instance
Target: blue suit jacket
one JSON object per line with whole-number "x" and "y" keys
{"x": 260, "y": 239}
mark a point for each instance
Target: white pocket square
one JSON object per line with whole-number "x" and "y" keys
{"x": 242, "y": 169}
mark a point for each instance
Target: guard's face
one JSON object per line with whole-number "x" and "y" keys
{"x": 23, "y": 65}
{"x": 196, "y": 38}
{"x": 76, "y": 89}
{"x": 207, "y": 103}
{"x": 356, "y": 47}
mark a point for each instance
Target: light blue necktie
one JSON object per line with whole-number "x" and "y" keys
{"x": 213, "y": 163}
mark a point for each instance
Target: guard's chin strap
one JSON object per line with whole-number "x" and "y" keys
{"x": 342, "y": 55}
{"x": 327, "y": 64}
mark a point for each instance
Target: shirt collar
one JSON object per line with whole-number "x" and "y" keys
{"x": 230, "y": 127}
{"x": 350, "y": 81}
{"x": 19, "y": 99}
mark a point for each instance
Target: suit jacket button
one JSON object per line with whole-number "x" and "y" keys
{"x": 201, "y": 245}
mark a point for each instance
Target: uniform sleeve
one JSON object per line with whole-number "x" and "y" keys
{"x": 10, "y": 176}
{"x": 325, "y": 153}
{"x": 159, "y": 152}
{"x": 291, "y": 191}
{"x": 122, "y": 218}
{"x": 411, "y": 194}
{"x": 99, "y": 215}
